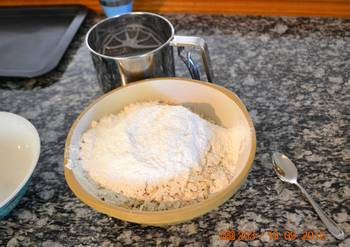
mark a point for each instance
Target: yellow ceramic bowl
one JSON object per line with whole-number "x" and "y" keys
{"x": 213, "y": 101}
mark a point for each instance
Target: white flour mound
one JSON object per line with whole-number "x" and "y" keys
{"x": 161, "y": 154}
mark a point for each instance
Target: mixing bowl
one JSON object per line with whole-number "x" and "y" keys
{"x": 210, "y": 100}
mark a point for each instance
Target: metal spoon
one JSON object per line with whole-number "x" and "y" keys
{"x": 287, "y": 172}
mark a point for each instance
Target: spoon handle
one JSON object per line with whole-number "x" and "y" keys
{"x": 330, "y": 224}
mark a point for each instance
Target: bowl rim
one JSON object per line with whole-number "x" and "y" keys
{"x": 170, "y": 216}
{"x": 34, "y": 161}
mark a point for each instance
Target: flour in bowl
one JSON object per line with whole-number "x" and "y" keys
{"x": 160, "y": 156}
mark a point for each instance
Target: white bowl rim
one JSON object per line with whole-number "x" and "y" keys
{"x": 34, "y": 161}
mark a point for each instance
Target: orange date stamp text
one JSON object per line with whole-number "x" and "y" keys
{"x": 273, "y": 235}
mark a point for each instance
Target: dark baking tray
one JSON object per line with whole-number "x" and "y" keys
{"x": 34, "y": 39}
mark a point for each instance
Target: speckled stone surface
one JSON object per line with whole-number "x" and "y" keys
{"x": 293, "y": 74}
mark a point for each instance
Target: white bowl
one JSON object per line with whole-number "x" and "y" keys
{"x": 19, "y": 154}
{"x": 210, "y": 100}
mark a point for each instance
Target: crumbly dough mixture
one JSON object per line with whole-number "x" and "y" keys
{"x": 160, "y": 155}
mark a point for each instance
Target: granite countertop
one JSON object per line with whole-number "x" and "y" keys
{"x": 293, "y": 74}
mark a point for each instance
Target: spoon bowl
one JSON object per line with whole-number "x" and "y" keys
{"x": 284, "y": 168}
